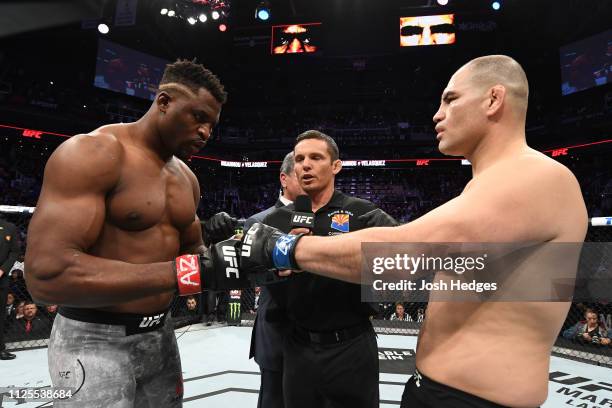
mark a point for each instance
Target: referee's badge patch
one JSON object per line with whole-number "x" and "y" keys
{"x": 341, "y": 222}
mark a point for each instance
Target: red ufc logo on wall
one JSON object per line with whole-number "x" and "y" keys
{"x": 421, "y": 162}
{"x": 559, "y": 152}
{"x": 36, "y": 134}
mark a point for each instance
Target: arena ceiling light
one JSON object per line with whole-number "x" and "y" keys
{"x": 103, "y": 28}
{"x": 262, "y": 12}
{"x": 496, "y": 5}
{"x": 443, "y": 2}
{"x": 222, "y": 28}
{"x": 192, "y": 11}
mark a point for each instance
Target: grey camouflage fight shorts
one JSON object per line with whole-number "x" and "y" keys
{"x": 133, "y": 362}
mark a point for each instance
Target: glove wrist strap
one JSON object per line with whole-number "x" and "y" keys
{"x": 283, "y": 254}
{"x": 187, "y": 268}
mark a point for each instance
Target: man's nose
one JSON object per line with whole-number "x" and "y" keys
{"x": 204, "y": 131}
{"x": 438, "y": 116}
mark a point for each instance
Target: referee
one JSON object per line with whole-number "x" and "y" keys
{"x": 9, "y": 251}
{"x": 330, "y": 355}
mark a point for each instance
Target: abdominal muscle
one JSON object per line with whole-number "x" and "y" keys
{"x": 159, "y": 243}
{"x": 499, "y": 351}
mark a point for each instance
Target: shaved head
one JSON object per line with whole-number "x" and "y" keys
{"x": 491, "y": 70}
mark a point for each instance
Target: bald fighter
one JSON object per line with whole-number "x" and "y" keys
{"x": 117, "y": 207}
{"x": 483, "y": 354}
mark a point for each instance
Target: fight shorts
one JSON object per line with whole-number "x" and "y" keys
{"x": 423, "y": 392}
{"x": 115, "y": 360}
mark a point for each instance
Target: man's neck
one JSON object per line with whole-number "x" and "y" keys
{"x": 285, "y": 200}
{"x": 143, "y": 133}
{"x": 495, "y": 147}
{"x": 321, "y": 198}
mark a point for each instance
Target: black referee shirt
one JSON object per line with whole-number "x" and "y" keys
{"x": 314, "y": 302}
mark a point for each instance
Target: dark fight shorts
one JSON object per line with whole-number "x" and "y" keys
{"x": 423, "y": 392}
{"x": 112, "y": 360}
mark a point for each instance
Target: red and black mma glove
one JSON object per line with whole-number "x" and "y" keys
{"x": 264, "y": 248}
{"x": 216, "y": 268}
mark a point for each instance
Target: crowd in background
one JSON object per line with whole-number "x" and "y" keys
{"x": 364, "y": 114}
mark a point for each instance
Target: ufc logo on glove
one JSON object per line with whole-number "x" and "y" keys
{"x": 229, "y": 256}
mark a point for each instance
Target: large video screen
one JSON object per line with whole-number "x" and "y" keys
{"x": 296, "y": 38}
{"x": 586, "y": 63}
{"x": 427, "y": 30}
{"x": 124, "y": 70}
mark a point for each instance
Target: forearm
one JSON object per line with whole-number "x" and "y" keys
{"x": 88, "y": 281}
{"x": 340, "y": 256}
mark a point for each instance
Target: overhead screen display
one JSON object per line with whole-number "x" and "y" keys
{"x": 124, "y": 70}
{"x": 296, "y": 38}
{"x": 427, "y": 30}
{"x": 586, "y": 63}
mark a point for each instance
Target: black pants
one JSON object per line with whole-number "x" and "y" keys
{"x": 3, "y": 294}
{"x": 423, "y": 392}
{"x": 271, "y": 389}
{"x": 335, "y": 375}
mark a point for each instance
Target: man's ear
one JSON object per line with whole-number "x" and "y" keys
{"x": 496, "y": 99}
{"x": 162, "y": 101}
{"x": 283, "y": 178}
{"x": 336, "y": 166}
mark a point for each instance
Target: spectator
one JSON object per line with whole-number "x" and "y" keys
{"x": 11, "y": 307}
{"x": 19, "y": 310}
{"x": 192, "y": 307}
{"x": 255, "y": 305}
{"x": 400, "y": 313}
{"x": 589, "y": 331}
{"x": 31, "y": 326}
{"x": 17, "y": 285}
{"x": 51, "y": 312}
{"x": 420, "y": 315}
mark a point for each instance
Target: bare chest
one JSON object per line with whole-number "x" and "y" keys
{"x": 150, "y": 195}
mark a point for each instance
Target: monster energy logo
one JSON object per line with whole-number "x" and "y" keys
{"x": 234, "y": 310}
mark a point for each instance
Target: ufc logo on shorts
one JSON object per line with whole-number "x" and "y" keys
{"x": 229, "y": 256}
{"x": 302, "y": 219}
{"x": 151, "y": 321}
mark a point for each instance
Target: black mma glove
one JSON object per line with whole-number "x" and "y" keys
{"x": 377, "y": 218}
{"x": 264, "y": 248}
{"x": 218, "y": 227}
{"x": 216, "y": 268}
